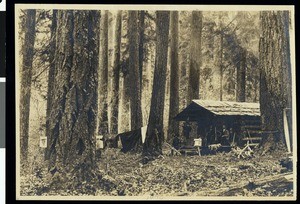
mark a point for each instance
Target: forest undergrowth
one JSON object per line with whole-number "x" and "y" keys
{"x": 119, "y": 174}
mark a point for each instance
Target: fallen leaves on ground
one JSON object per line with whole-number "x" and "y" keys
{"x": 210, "y": 175}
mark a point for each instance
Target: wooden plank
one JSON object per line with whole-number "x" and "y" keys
{"x": 242, "y": 185}
{"x": 190, "y": 150}
{"x": 258, "y": 132}
{"x": 251, "y": 138}
{"x": 269, "y": 131}
{"x": 253, "y": 144}
{"x": 256, "y": 127}
{"x": 172, "y": 148}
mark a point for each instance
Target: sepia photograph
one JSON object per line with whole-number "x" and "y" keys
{"x": 155, "y": 102}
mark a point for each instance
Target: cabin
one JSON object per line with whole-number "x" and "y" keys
{"x": 221, "y": 123}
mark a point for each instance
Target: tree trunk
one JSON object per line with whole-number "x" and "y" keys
{"x": 26, "y": 76}
{"x": 103, "y": 77}
{"x": 256, "y": 85}
{"x": 74, "y": 106}
{"x": 221, "y": 66}
{"x": 287, "y": 71}
{"x": 141, "y": 46}
{"x": 241, "y": 78}
{"x": 274, "y": 63}
{"x": 174, "y": 77}
{"x": 116, "y": 74}
{"x": 195, "y": 61}
{"x": 124, "y": 116}
{"x": 63, "y": 64}
{"x": 135, "y": 94}
{"x": 155, "y": 134}
{"x": 125, "y": 99}
{"x": 51, "y": 79}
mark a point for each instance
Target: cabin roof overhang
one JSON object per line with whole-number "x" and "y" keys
{"x": 202, "y": 109}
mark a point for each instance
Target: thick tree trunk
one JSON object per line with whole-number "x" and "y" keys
{"x": 103, "y": 77}
{"x": 135, "y": 94}
{"x": 63, "y": 64}
{"x": 274, "y": 63}
{"x": 241, "y": 78}
{"x": 155, "y": 134}
{"x": 51, "y": 76}
{"x": 174, "y": 77}
{"x": 26, "y": 76}
{"x": 287, "y": 71}
{"x": 195, "y": 61}
{"x": 124, "y": 116}
{"x": 116, "y": 74}
{"x": 73, "y": 119}
{"x": 141, "y": 46}
{"x": 124, "y": 98}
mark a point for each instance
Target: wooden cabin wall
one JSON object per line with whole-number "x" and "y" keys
{"x": 237, "y": 123}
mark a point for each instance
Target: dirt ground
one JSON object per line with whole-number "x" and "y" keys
{"x": 222, "y": 174}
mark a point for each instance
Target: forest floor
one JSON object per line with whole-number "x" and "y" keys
{"x": 222, "y": 174}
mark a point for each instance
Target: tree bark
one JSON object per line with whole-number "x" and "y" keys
{"x": 241, "y": 78}
{"x": 74, "y": 109}
{"x": 124, "y": 117}
{"x": 26, "y": 76}
{"x": 103, "y": 77}
{"x": 51, "y": 79}
{"x": 174, "y": 76}
{"x": 63, "y": 63}
{"x": 155, "y": 135}
{"x": 195, "y": 61}
{"x": 116, "y": 74}
{"x": 256, "y": 89}
{"x": 274, "y": 63}
{"x": 221, "y": 65}
{"x": 287, "y": 71}
{"x": 125, "y": 99}
{"x": 135, "y": 93}
{"x": 141, "y": 46}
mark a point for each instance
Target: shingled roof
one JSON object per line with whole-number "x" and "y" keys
{"x": 229, "y": 108}
{"x": 203, "y": 109}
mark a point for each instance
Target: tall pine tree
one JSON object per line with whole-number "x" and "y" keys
{"x": 155, "y": 134}
{"x": 135, "y": 93}
{"x": 275, "y": 68}
{"x": 116, "y": 75}
{"x": 195, "y": 56}
{"x": 26, "y": 76}
{"x": 103, "y": 77}
{"x": 74, "y": 101}
{"x": 174, "y": 76}
{"x": 51, "y": 76}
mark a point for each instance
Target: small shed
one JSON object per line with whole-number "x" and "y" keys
{"x": 211, "y": 118}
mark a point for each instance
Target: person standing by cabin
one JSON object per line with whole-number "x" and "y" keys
{"x": 231, "y": 137}
{"x": 210, "y": 135}
{"x": 225, "y": 136}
